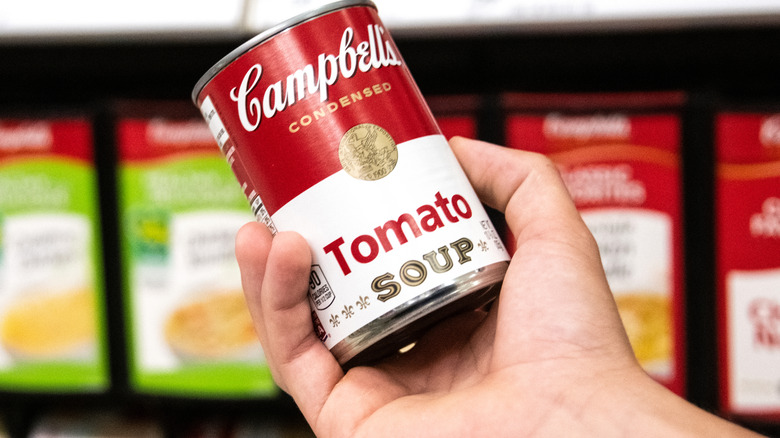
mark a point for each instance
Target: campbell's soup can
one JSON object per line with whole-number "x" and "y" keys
{"x": 330, "y": 137}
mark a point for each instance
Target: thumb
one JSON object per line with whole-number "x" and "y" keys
{"x": 278, "y": 300}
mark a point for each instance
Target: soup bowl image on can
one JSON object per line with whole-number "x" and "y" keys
{"x": 329, "y": 136}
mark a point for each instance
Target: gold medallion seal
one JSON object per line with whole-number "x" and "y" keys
{"x": 368, "y": 152}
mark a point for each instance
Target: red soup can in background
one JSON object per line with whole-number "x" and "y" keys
{"x": 329, "y": 136}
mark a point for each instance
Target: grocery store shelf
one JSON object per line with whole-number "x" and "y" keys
{"x": 157, "y": 49}
{"x": 89, "y": 20}
{"x": 165, "y": 20}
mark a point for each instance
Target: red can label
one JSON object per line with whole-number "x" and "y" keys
{"x": 325, "y": 124}
{"x": 748, "y": 260}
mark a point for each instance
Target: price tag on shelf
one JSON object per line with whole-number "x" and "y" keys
{"x": 88, "y": 17}
{"x": 660, "y": 9}
{"x": 414, "y": 13}
{"x": 443, "y": 15}
{"x": 263, "y": 14}
{"x": 530, "y": 10}
{"x": 35, "y": 18}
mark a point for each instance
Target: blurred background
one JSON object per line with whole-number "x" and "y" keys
{"x": 94, "y": 94}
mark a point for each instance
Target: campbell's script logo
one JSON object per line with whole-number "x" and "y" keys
{"x": 27, "y": 136}
{"x": 363, "y": 56}
{"x": 765, "y": 316}
{"x": 769, "y": 135}
{"x": 584, "y": 128}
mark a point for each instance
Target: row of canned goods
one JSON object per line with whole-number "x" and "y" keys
{"x": 620, "y": 156}
{"x": 178, "y": 207}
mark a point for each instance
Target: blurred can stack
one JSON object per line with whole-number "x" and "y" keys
{"x": 748, "y": 261}
{"x": 189, "y": 331}
{"x": 52, "y": 317}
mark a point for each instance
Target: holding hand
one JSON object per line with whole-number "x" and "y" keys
{"x": 550, "y": 358}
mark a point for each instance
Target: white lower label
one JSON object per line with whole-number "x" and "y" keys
{"x": 378, "y": 244}
{"x": 753, "y": 300}
{"x": 190, "y": 305}
{"x": 636, "y": 251}
{"x": 47, "y": 308}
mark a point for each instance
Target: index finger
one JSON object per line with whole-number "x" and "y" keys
{"x": 555, "y": 296}
{"x": 526, "y": 186}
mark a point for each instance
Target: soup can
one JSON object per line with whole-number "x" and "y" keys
{"x": 329, "y": 136}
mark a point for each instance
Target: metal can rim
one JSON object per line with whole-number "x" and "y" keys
{"x": 269, "y": 33}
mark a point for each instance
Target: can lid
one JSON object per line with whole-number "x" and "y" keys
{"x": 267, "y": 34}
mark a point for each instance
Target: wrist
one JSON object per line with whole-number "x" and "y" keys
{"x": 637, "y": 405}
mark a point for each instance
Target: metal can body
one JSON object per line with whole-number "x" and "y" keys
{"x": 329, "y": 136}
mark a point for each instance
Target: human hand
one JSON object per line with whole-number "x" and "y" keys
{"x": 550, "y": 358}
